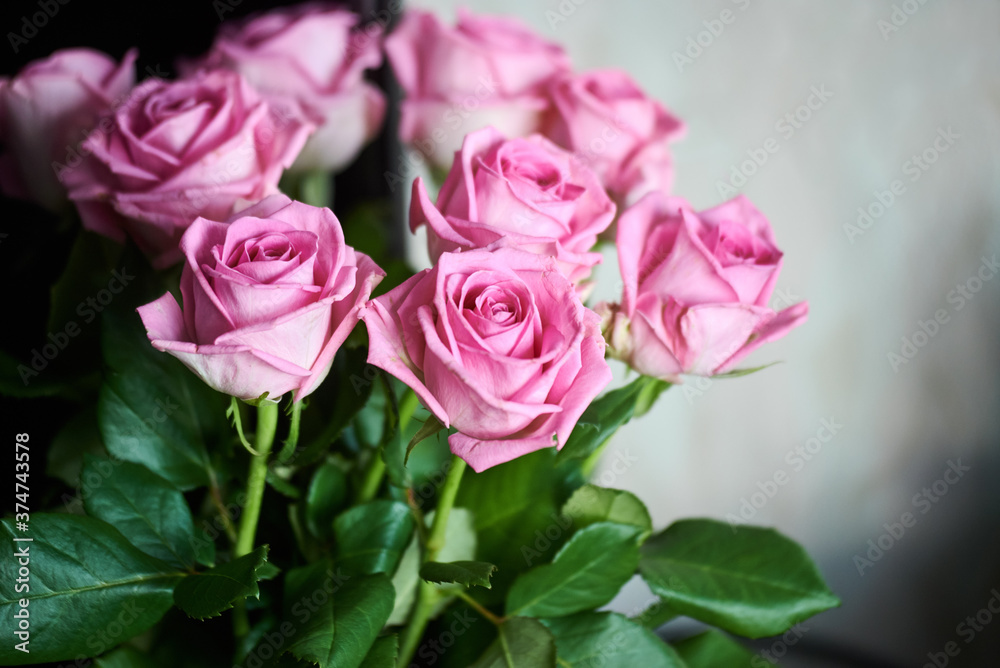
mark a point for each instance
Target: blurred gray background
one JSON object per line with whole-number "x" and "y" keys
{"x": 707, "y": 448}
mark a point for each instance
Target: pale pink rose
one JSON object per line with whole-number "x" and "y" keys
{"x": 528, "y": 190}
{"x": 47, "y": 109}
{"x": 177, "y": 150}
{"x": 497, "y": 344}
{"x": 608, "y": 122}
{"x": 486, "y": 70}
{"x": 268, "y": 299}
{"x": 696, "y": 288}
{"x": 316, "y": 54}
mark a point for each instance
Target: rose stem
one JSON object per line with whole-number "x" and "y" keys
{"x": 427, "y": 593}
{"x": 267, "y": 425}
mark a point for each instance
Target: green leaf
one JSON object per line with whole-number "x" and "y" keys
{"x": 736, "y": 373}
{"x": 338, "y": 618}
{"x": 79, "y": 437}
{"x": 210, "y": 593}
{"x": 371, "y": 537}
{"x": 712, "y": 648}
{"x": 591, "y": 504}
{"x": 152, "y": 409}
{"x": 383, "y": 653}
{"x": 466, "y": 573}
{"x": 143, "y": 506}
{"x": 327, "y": 493}
{"x": 124, "y": 657}
{"x": 90, "y": 589}
{"x": 607, "y": 413}
{"x": 586, "y": 573}
{"x": 606, "y": 638}
{"x": 430, "y": 427}
{"x": 521, "y": 643}
{"x": 747, "y": 580}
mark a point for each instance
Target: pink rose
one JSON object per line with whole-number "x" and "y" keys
{"x": 317, "y": 55}
{"x": 496, "y": 344}
{"x": 47, "y": 109}
{"x": 268, "y": 298}
{"x": 615, "y": 128}
{"x": 528, "y": 190}
{"x": 485, "y": 71}
{"x": 696, "y": 287}
{"x": 177, "y": 150}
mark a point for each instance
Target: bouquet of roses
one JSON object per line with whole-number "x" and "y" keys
{"x": 265, "y": 457}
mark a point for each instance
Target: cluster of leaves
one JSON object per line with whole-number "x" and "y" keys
{"x": 138, "y": 568}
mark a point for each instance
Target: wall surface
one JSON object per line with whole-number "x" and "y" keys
{"x": 890, "y": 91}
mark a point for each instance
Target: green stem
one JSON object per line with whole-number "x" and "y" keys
{"x": 590, "y": 463}
{"x": 427, "y": 594}
{"x": 373, "y": 479}
{"x": 267, "y": 425}
{"x": 316, "y": 188}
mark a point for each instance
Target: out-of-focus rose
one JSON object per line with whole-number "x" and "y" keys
{"x": 47, "y": 109}
{"x": 613, "y": 126}
{"x": 528, "y": 190}
{"x": 316, "y": 54}
{"x": 268, "y": 298}
{"x": 485, "y": 71}
{"x": 177, "y": 150}
{"x": 496, "y": 344}
{"x": 696, "y": 288}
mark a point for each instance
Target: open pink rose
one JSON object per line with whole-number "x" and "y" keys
{"x": 528, "y": 190}
{"x": 176, "y": 150}
{"x": 487, "y": 70}
{"x": 268, "y": 298}
{"x": 496, "y": 344}
{"x": 696, "y": 287}
{"x": 47, "y": 109}
{"x": 316, "y": 54}
{"x": 605, "y": 119}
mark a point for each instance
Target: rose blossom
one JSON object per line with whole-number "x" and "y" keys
{"x": 696, "y": 287}
{"x": 496, "y": 344}
{"x": 177, "y": 150}
{"x": 487, "y": 70}
{"x": 528, "y": 190}
{"x": 620, "y": 132}
{"x": 268, "y": 299}
{"x": 317, "y": 55}
{"x": 46, "y": 109}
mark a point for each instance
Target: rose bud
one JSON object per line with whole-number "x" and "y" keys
{"x": 177, "y": 150}
{"x": 486, "y": 70}
{"x": 47, "y": 110}
{"x": 696, "y": 288}
{"x": 317, "y": 55}
{"x": 497, "y": 344}
{"x": 268, "y": 298}
{"x": 528, "y": 190}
